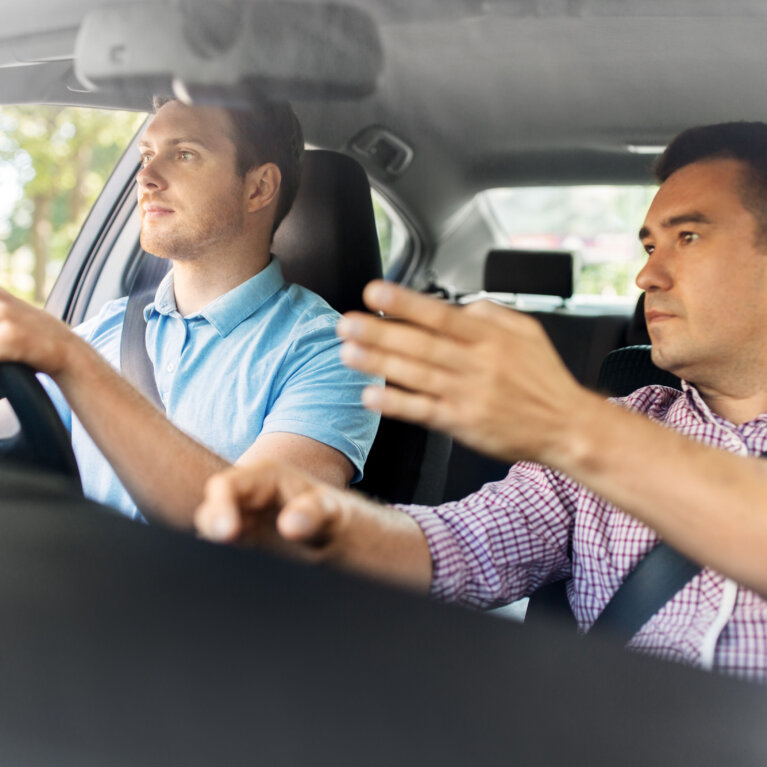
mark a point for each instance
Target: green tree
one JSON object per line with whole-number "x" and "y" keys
{"x": 62, "y": 156}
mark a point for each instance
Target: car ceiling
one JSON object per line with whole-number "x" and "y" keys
{"x": 488, "y": 92}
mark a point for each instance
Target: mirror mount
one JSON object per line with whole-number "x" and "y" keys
{"x": 217, "y": 52}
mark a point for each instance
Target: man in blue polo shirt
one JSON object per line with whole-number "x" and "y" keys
{"x": 246, "y": 365}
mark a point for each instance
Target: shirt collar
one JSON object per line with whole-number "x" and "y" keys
{"x": 697, "y": 403}
{"x": 226, "y": 312}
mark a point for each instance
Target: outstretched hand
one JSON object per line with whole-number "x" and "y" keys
{"x": 483, "y": 373}
{"x": 283, "y": 509}
{"x": 271, "y": 504}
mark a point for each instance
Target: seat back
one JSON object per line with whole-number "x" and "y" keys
{"x": 328, "y": 241}
{"x": 628, "y": 369}
{"x": 329, "y": 244}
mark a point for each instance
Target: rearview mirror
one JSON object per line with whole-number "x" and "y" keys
{"x": 210, "y": 51}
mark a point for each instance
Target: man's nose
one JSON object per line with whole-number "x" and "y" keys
{"x": 150, "y": 176}
{"x": 655, "y": 274}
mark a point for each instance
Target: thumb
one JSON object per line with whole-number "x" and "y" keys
{"x": 310, "y": 517}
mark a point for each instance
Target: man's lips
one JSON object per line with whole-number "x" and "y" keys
{"x": 156, "y": 211}
{"x": 655, "y": 315}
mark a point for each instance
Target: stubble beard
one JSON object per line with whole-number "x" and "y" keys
{"x": 192, "y": 240}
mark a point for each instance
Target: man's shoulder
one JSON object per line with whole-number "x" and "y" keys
{"x": 309, "y": 311}
{"x": 655, "y": 401}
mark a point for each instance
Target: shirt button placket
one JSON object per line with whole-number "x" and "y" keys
{"x": 174, "y": 352}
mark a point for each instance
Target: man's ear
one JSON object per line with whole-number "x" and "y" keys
{"x": 263, "y": 185}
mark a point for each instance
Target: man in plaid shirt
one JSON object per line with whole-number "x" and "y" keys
{"x": 597, "y": 485}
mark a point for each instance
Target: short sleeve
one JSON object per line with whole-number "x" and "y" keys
{"x": 319, "y": 397}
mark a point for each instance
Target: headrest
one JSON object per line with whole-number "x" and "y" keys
{"x": 636, "y": 332}
{"x": 542, "y": 272}
{"x": 328, "y": 241}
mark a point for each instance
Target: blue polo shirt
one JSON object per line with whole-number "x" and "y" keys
{"x": 262, "y": 358}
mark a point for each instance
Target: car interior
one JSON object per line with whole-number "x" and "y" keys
{"x": 432, "y": 107}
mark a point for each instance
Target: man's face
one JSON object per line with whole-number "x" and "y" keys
{"x": 191, "y": 199}
{"x": 705, "y": 278}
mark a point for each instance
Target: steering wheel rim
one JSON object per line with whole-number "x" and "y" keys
{"x": 42, "y": 440}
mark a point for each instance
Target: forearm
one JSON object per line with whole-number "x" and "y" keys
{"x": 275, "y": 505}
{"x": 707, "y": 503}
{"x": 383, "y": 543}
{"x": 163, "y": 469}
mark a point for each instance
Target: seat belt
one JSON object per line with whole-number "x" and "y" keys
{"x": 649, "y": 586}
{"x": 654, "y": 581}
{"x": 135, "y": 364}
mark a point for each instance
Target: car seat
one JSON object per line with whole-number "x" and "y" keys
{"x": 328, "y": 243}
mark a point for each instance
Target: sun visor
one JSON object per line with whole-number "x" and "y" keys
{"x": 218, "y": 51}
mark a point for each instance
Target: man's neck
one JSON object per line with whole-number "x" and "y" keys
{"x": 737, "y": 408}
{"x": 198, "y": 282}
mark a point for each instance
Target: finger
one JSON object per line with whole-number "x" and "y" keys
{"x": 236, "y": 497}
{"x": 402, "y": 338}
{"x": 403, "y": 371}
{"x": 309, "y": 518}
{"x": 422, "y": 311}
{"x": 503, "y": 317}
{"x": 408, "y": 406}
{"x": 218, "y": 516}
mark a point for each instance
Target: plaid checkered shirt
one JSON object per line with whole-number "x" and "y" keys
{"x": 504, "y": 541}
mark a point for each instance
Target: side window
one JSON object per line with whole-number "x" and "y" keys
{"x": 54, "y": 161}
{"x": 393, "y": 235}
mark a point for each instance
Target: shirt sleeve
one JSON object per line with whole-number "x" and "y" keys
{"x": 504, "y": 541}
{"x": 319, "y": 397}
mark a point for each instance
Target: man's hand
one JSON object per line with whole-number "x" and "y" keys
{"x": 33, "y": 336}
{"x": 281, "y": 508}
{"x": 487, "y": 375}
{"x": 271, "y": 503}
{"x": 162, "y": 468}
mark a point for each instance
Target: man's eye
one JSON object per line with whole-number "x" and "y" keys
{"x": 688, "y": 237}
{"x": 145, "y": 158}
{"x": 185, "y": 155}
{"x": 648, "y": 248}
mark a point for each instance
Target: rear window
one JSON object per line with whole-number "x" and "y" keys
{"x": 598, "y": 223}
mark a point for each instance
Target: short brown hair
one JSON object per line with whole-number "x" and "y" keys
{"x": 266, "y": 131}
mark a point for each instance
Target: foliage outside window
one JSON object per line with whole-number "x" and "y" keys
{"x": 392, "y": 233}
{"x": 598, "y": 223}
{"x": 54, "y": 161}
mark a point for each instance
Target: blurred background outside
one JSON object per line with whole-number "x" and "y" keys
{"x": 54, "y": 161}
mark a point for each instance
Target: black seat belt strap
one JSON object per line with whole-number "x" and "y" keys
{"x": 649, "y": 586}
{"x": 135, "y": 364}
{"x": 653, "y": 582}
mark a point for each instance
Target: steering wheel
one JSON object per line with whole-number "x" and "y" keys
{"x": 42, "y": 440}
